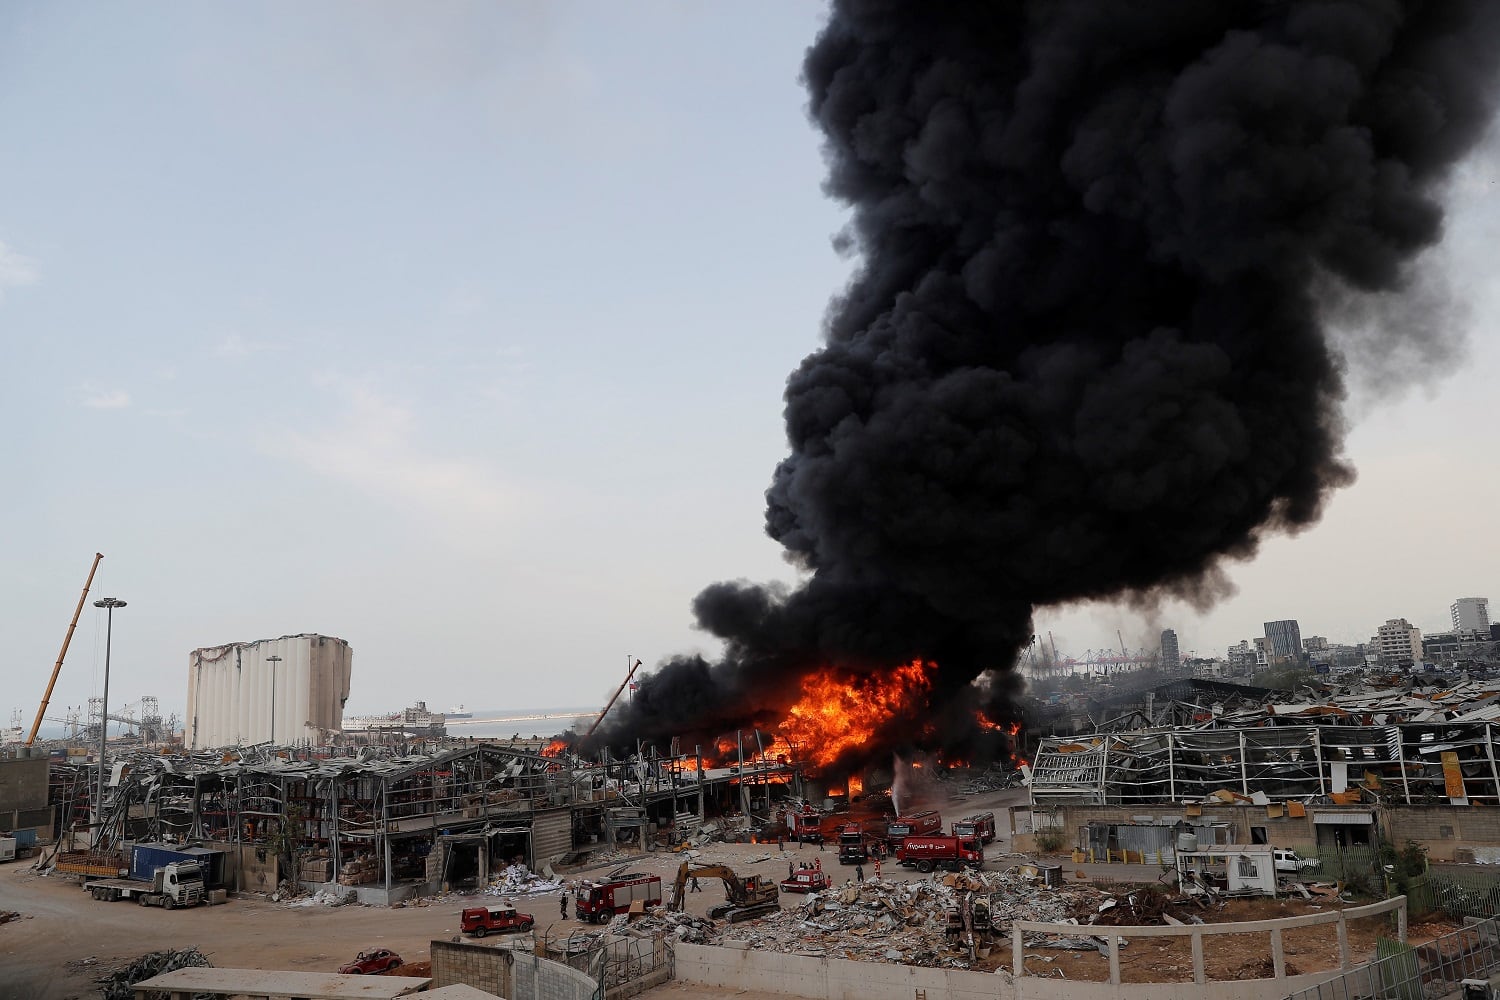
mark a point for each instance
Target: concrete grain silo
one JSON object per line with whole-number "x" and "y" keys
{"x": 238, "y": 692}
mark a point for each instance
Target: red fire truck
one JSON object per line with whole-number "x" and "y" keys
{"x": 981, "y": 825}
{"x": 918, "y": 824}
{"x": 596, "y": 902}
{"x": 926, "y": 853}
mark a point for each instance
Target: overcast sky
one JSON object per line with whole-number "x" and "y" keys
{"x": 459, "y": 332}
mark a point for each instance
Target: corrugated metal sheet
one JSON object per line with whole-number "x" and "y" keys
{"x": 231, "y": 690}
{"x": 551, "y": 834}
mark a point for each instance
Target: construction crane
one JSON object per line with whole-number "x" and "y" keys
{"x": 746, "y": 897}
{"x": 67, "y": 638}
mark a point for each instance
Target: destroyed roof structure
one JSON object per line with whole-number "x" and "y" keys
{"x": 1404, "y": 763}
{"x": 394, "y": 821}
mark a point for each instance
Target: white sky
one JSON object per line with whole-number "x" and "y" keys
{"x": 459, "y": 331}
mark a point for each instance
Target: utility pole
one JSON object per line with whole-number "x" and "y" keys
{"x": 108, "y": 604}
{"x": 273, "y": 660}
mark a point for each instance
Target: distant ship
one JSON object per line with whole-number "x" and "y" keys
{"x": 416, "y": 719}
{"x": 458, "y": 712}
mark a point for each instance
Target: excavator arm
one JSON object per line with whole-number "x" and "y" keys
{"x": 734, "y": 886}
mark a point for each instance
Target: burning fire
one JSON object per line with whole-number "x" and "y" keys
{"x": 554, "y": 749}
{"x": 856, "y": 785}
{"x": 838, "y": 713}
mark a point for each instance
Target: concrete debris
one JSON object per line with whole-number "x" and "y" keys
{"x": 119, "y": 985}
{"x": 326, "y": 897}
{"x": 6, "y": 916}
{"x": 518, "y": 880}
{"x": 679, "y": 926}
{"x": 907, "y": 922}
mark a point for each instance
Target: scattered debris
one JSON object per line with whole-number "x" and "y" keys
{"x": 326, "y": 897}
{"x": 119, "y": 985}
{"x": 518, "y": 880}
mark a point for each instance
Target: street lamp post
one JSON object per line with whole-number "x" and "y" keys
{"x": 108, "y": 604}
{"x": 273, "y": 660}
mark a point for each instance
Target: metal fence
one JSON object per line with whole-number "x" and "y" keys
{"x": 614, "y": 961}
{"x": 1458, "y": 894}
{"x": 1424, "y": 972}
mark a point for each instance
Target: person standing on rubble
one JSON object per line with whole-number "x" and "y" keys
{"x": 564, "y": 902}
{"x": 859, "y": 873}
{"x": 877, "y": 868}
{"x": 695, "y": 887}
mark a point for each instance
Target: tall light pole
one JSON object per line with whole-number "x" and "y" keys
{"x": 108, "y": 604}
{"x": 273, "y": 660}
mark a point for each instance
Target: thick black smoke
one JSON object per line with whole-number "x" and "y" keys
{"x": 1083, "y": 354}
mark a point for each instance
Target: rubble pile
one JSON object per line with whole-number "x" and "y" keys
{"x": 992, "y": 779}
{"x": 326, "y": 897}
{"x": 905, "y": 922}
{"x": 120, "y": 984}
{"x": 6, "y": 916}
{"x": 678, "y": 926}
{"x": 518, "y": 880}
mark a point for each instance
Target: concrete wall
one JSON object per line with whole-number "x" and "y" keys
{"x": 832, "y": 978}
{"x": 259, "y": 870}
{"x": 23, "y": 795}
{"x": 476, "y": 965}
{"x": 1446, "y": 831}
{"x": 836, "y": 979}
{"x": 507, "y": 973}
{"x": 1284, "y": 831}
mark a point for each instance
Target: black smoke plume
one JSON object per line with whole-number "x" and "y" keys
{"x": 1084, "y": 353}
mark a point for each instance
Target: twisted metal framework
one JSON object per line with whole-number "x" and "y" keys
{"x": 1401, "y": 764}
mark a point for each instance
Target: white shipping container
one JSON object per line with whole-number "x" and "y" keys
{"x": 234, "y": 691}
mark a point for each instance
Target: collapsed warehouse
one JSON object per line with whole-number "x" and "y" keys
{"x": 391, "y": 823}
{"x": 1346, "y": 771}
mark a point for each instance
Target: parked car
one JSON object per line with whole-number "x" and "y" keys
{"x": 1291, "y": 861}
{"x": 481, "y": 920}
{"x": 807, "y": 880}
{"x": 371, "y": 962}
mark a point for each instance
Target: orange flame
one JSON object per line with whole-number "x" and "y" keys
{"x": 554, "y": 749}
{"x": 838, "y": 713}
{"x": 856, "y": 785}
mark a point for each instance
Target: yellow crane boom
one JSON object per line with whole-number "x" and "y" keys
{"x": 68, "y": 638}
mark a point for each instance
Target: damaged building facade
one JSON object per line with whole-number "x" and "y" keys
{"x": 1346, "y": 774}
{"x": 392, "y": 822}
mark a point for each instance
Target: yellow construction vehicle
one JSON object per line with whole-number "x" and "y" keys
{"x": 747, "y": 897}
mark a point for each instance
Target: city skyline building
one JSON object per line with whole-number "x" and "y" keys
{"x": 1398, "y": 643}
{"x": 1471, "y": 615}
{"x": 1171, "y": 655}
{"x": 1283, "y": 639}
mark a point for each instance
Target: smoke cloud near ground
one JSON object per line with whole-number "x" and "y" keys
{"x": 1084, "y": 354}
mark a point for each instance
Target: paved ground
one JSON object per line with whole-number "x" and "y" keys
{"x": 66, "y": 939}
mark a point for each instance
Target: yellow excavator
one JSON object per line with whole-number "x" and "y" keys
{"x": 747, "y": 897}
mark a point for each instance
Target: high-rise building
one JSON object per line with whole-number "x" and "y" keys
{"x": 1170, "y": 655}
{"x": 1472, "y": 615}
{"x": 1398, "y": 643}
{"x": 1283, "y": 639}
